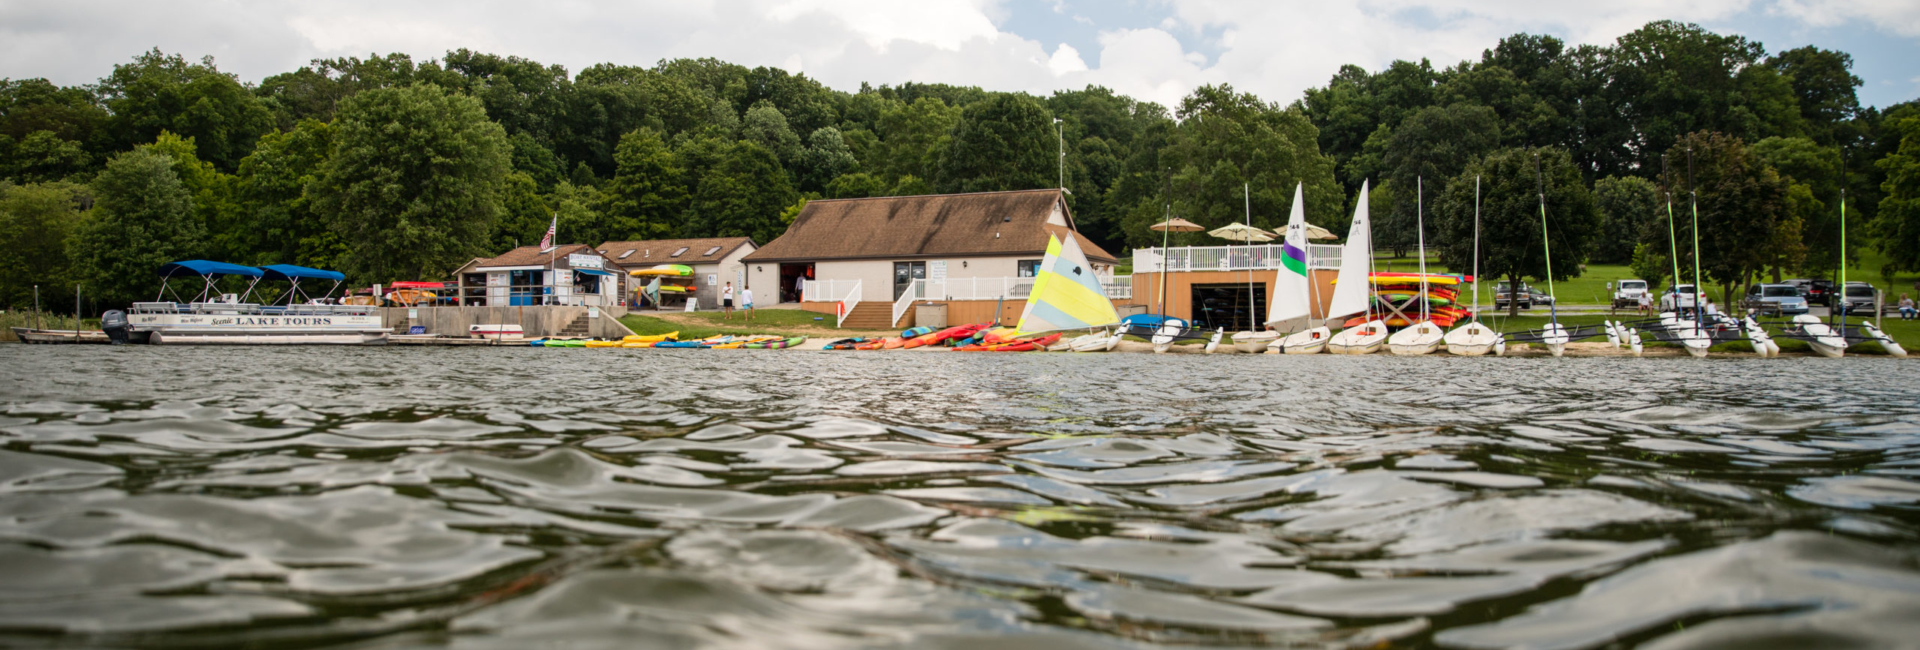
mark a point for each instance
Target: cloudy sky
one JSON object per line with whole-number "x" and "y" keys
{"x": 1150, "y": 49}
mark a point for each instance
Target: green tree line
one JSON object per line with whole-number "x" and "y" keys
{"x": 393, "y": 169}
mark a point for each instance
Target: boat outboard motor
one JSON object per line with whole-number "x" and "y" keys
{"x": 114, "y": 323}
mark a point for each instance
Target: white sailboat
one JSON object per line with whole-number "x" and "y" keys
{"x": 1421, "y": 337}
{"x": 1292, "y": 308}
{"x": 1473, "y": 339}
{"x": 1068, "y": 296}
{"x": 1353, "y": 291}
{"x": 1254, "y": 341}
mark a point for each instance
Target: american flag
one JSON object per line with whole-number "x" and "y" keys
{"x": 546, "y": 243}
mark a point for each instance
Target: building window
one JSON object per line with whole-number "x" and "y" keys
{"x": 1028, "y": 268}
{"x": 677, "y": 253}
{"x": 624, "y": 255}
{"x": 711, "y": 251}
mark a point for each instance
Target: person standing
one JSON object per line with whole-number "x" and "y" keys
{"x": 746, "y": 303}
{"x": 726, "y": 302}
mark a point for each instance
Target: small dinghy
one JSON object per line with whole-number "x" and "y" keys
{"x": 1365, "y": 339}
{"x": 1254, "y": 342}
{"x": 1417, "y": 339}
{"x": 1470, "y": 340}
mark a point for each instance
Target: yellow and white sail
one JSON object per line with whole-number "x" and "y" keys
{"x": 1066, "y": 293}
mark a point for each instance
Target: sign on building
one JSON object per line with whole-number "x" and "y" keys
{"x": 579, "y": 261}
{"x": 937, "y": 270}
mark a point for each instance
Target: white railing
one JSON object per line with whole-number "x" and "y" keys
{"x": 846, "y": 303}
{"x": 826, "y": 290}
{"x": 1120, "y": 287}
{"x": 1263, "y": 257}
{"x": 905, "y": 301}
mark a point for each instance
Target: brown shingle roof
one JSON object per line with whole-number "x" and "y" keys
{"x": 532, "y": 256}
{"x": 938, "y": 225}
{"x": 660, "y": 251}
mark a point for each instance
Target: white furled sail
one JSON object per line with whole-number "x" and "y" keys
{"x": 1289, "y": 309}
{"x": 1350, "y": 292}
{"x": 1066, "y": 294}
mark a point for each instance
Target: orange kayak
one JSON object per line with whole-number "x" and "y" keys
{"x": 893, "y": 343}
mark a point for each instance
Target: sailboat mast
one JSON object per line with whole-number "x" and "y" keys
{"x": 1420, "y": 230}
{"x": 1843, "y": 265}
{"x": 1476, "y": 248}
{"x": 1246, "y": 192}
{"x": 1699, "y": 310}
{"x": 1546, "y": 246}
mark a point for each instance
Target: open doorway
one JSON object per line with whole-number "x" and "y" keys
{"x": 793, "y": 276}
{"x": 1235, "y": 307}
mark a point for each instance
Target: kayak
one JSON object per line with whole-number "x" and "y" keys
{"x": 777, "y": 344}
{"x": 845, "y": 344}
{"x": 893, "y": 343}
{"x": 603, "y": 344}
{"x": 681, "y": 344}
{"x": 639, "y": 344}
{"x": 670, "y": 270}
{"x": 650, "y": 338}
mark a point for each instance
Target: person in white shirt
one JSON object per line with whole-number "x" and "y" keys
{"x": 726, "y": 302}
{"x": 746, "y": 303}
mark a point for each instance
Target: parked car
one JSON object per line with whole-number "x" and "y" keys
{"x": 1539, "y": 297}
{"x": 1681, "y": 297}
{"x": 1786, "y": 296}
{"x": 1860, "y": 296}
{"x": 1627, "y": 293}
{"x": 1503, "y": 295}
{"x": 1817, "y": 292}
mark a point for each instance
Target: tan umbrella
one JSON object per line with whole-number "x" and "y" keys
{"x": 1242, "y": 233}
{"x": 1176, "y": 224}
{"x": 1316, "y": 232}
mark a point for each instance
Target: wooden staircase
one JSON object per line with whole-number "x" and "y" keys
{"x": 870, "y": 316}
{"x": 576, "y": 329}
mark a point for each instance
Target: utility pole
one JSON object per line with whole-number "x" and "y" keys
{"x": 1060, "y": 132}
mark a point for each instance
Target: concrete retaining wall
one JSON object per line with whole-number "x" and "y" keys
{"x": 538, "y": 321}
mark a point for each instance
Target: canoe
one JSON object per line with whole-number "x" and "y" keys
{"x": 668, "y": 270}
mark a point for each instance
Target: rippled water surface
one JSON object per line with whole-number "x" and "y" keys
{"x": 513, "y": 498}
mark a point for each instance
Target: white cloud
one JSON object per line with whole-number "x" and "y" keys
{"x": 1066, "y": 59}
{"x": 1900, "y": 16}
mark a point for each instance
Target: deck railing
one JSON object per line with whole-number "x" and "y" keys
{"x": 846, "y": 303}
{"x": 1263, "y": 257}
{"x": 826, "y": 290}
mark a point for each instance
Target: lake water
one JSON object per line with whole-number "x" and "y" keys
{"x": 514, "y": 498}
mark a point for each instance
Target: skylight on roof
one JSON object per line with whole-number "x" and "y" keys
{"x": 711, "y": 251}
{"x": 624, "y": 255}
{"x": 677, "y": 253}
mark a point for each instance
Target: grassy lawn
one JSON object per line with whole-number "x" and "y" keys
{"x": 1588, "y": 289}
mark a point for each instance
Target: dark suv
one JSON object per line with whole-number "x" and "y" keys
{"x": 1819, "y": 292}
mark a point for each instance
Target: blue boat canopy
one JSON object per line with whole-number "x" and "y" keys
{"x": 593, "y": 272}
{"x": 289, "y": 271}
{"x": 204, "y": 267}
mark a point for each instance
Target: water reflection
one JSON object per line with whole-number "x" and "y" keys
{"x": 510, "y": 498}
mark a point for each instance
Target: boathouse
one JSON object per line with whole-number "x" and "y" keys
{"x": 871, "y": 261}
{"x": 1227, "y": 287}
{"x": 715, "y": 262}
{"x": 571, "y": 275}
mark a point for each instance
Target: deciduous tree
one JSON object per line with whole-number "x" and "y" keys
{"x": 1512, "y": 182}
{"x": 414, "y": 182}
{"x": 142, "y": 219}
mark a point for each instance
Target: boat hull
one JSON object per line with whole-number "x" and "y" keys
{"x": 1365, "y": 339}
{"x": 1418, "y": 339}
{"x": 276, "y": 336}
{"x": 1254, "y": 342}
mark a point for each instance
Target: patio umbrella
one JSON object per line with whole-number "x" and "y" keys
{"x": 1242, "y": 233}
{"x": 1316, "y": 232}
{"x": 1176, "y": 224}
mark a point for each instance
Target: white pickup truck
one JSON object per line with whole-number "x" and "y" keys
{"x": 1627, "y": 293}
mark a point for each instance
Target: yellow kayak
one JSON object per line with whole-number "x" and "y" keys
{"x": 603, "y": 344}
{"x": 637, "y": 344}
{"x": 651, "y": 338}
